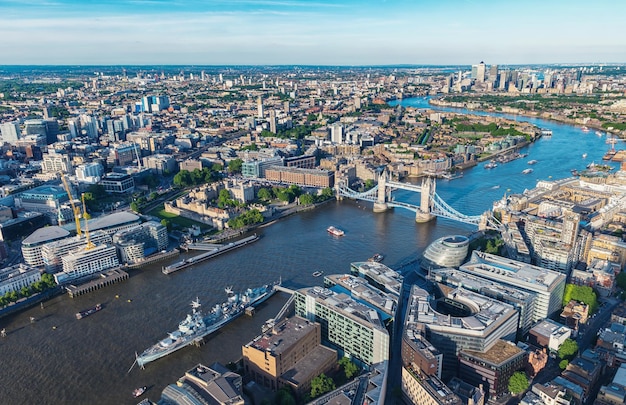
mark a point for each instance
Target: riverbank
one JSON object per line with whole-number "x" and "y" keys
{"x": 522, "y": 113}
{"x": 284, "y": 212}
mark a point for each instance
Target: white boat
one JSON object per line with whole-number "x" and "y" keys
{"x": 137, "y": 392}
{"x": 335, "y": 231}
{"x": 584, "y": 155}
{"x": 584, "y": 128}
{"x": 318, "y": 273}
{"x": 532, "y": 162}
{"x": 527, "y": 171}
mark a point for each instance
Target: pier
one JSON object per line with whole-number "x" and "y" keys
{"x": 157, "y": 257}
{"x": 208, "y": 255}
{"x": 106, "y": 278}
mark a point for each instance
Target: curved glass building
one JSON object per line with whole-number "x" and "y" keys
{"x": 449, "y": 251}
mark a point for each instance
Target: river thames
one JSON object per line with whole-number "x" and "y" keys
{"x": 60, "y": 360}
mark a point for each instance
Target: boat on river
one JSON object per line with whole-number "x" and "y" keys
{"x": 317, "y": 273}
{"x": 376, "y": 258}
{"x": 90, "y": 311}
{"x": 196, "y": 325}
{"x": 491, "y": 165}
{"x": 584, "y": 155}
{"x": 137, "y": 392}
{"x": 527, "y": 171}
{"x": 335, "y": 231}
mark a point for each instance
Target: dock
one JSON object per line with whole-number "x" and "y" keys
{"x": 208, "y": 255}
{"x": 106, "y": 278}
{"x": 157, "y": 257}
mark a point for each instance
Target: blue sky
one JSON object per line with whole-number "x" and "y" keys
{"x": 340, "y": 32}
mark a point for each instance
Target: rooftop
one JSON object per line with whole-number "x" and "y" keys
{"x": 109, "y": 221}
{"x": 548, "y": 328}
{"x": 283, "y": 336}
{"x": 346, "y": 305}
{"x": 499, "y": 353}
{"x": 502, "y": 268}
{"x": 45, "y": 234}
{"x": 361, "y": 290}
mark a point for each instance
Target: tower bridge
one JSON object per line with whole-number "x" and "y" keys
{"x": 431, "y": 204}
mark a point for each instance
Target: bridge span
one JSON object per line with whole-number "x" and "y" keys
{"x": 431, "y": 204}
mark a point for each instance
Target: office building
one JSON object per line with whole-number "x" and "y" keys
{"x": 32, "y": 245}
{"x": 481, "y": 72}
{"x": 139, "y": 241}
{"x": 290, "y": 354}
{"x": 379, "y": 275}
{"x": 461, "y": 320}
{"x": 547, "y": 284}
{"x": 359, "y": 289}
{"x": 301, "y": 177}
{"x": 469, "y": 394}
{"x": 118, "y": 183}
{"x": 86, "y": 261}
{"x": 354, "y": 329}
{"x": 523, "y": 301}
{"x": 549, "y": 334}
{"x": 336, "y": 133}
{"x": 419, "y": 354}
{"x": 426, "y": 390}
{"x": 16, "y": 277}
{"x": 11, "y": 132}
{"x": 492, "y": 368}
{"x": 160, "y": 164}
{"x": 260, "y": 111}
{"x": 256, "y": 168}
{"x": 214, "y": 385}
{"x": 47, "y": 200}
{"x": 449, "y": 251}
{"x": 54, "y": 162}
{"x": 89, "y": 173}
{"x": 53, "y": 252}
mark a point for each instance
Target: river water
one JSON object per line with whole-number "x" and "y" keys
{"x": 60, "y": 360}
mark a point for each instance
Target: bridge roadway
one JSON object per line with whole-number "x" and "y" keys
{"x": 439, "y": 206}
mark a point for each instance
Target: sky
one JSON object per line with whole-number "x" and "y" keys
{"x": 311, "y": 32}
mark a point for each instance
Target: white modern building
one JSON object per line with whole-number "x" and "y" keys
{"x": 549, "y": 285}
{"x": 86, "y": 261}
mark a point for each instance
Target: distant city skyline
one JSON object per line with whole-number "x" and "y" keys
{"x": 318, "y": 32}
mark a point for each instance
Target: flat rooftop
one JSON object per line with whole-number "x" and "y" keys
{"x": 487, "y": 312}
{"x": 501, "y": 352}
{"x": 512, "y": 271}
{"x": 283, "y": 336}
{"x": 361, "y": 290}
{"x": 45, "y": 234}
{"x": 346, "y": 305}
{"x": 548, "y": 327}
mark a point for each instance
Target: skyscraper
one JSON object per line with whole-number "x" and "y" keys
{"x": 480, "y": 71}
{"x": 260, "y": 112}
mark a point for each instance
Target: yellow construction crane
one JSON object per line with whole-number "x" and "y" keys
{"x": 90, "y": 245}
{"x": 76, "y": 209}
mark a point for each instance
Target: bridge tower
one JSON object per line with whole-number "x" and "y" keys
{"x": 426, "y": 201}
{"x": 381, "y": 202}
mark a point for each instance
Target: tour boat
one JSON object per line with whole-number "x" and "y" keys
{"x": 335, "y": 231}
{"x": 139, "y": 391}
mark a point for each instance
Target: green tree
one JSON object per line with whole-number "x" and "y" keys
{"x": 621, "y": 280}
{"x": 327, "y": 193}
{"x": 369, "y": 184}
{"x": 580, "y": 293}
{"x": 307, "y": 199}
{"x": 284, "y": 194}
{"x": 349, "y": 368}
{"x": 568, "y": 349}
{"x": 284, "y": 397}
{"x": 320, "y": 385}
{"x": 265, "y": 194}
{"x": 563, "y": 364}
{"x": 234, "y": 166}
{"x": 134, "y": 206}
{"x": 295, "y": 190}
{"x": 518, "y": 382}
{"x": 182, "y": 179}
